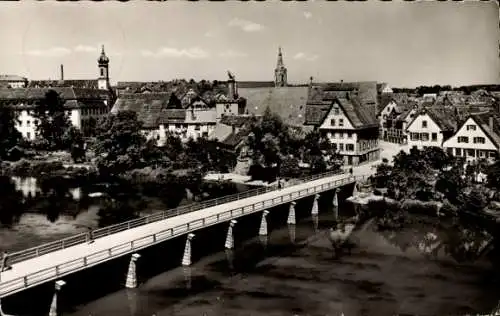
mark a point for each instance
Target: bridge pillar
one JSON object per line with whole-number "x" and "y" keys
{"x": 291, "y": 214}
{"x": 315, "y": 209}
{"x": 335, "y": 201}
{"x": 132, "y": 298}
{"x": 291, "y": 233}
{"x": 263, "y": 224}
{"x": 229, "y": 244}
{"x": 355, "y": 189}
{"x": 186, "y": 258}
{"x": 53, "y": 306}
{"x": 131, "y": 281}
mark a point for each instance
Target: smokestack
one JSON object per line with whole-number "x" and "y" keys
{"x": 62, "y": 72}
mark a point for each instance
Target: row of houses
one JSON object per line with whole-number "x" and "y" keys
{"x": 465, "y": 126}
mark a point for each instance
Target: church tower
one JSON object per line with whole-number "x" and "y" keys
{"x": 103, "y": 63}
{"x": 280, "y": 79}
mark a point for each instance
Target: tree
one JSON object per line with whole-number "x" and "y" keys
{"x": 73, "y": 139}
{"x": 493, "y": 174}
{"x": 290, "y": 167}
{"x": 9, "y": 135}
{"x": 120, "y": 144}
{"x": 452, "y": 184}
{"x": 52, "y": 120}
{"x": 475, "y": 201}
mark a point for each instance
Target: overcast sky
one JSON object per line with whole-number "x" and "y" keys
{"x": 404, "y": 44}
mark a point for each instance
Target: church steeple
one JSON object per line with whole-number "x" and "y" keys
{"x": 103, "y": 64}
{"x": 280, "y": 73}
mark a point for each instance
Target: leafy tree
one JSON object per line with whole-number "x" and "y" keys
{"x": 476, "y": 200}
{"x": 382, "y": 175}
{"x": 9, "y": 135}
{"x": 493, "y": 174}
{"x": 53, "y": 121}
{"x": 452, "y": 184}
{"x": 73, "y": 139}
{"x": 290, "y": 167}
{"x": 120, "y": 144}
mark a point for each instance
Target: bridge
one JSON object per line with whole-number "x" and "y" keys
{"x": 52, "y": 261}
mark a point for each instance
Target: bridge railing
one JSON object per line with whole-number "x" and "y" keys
{"x": 39, "y": 277}
{"x": 46, "y": 248}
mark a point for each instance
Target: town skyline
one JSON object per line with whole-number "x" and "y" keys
{"x": 385, "y": 42}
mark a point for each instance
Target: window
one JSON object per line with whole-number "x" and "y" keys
{"x": 341, "y": 122}
{"x": 102, "y": 71}
{"x": 463, "y": 139}
{"x": 424, "y": 124}
{"x": 458, "y": 152}
{"x": 341, "y": 146}
{"x": 424, "y": 137}
{"x": 332, "y": 122}
{"x": 471, "y": 127}
{"x": 28, "y": 123}
{"x": 479, "y": 140}
{"x": 197, "y": 127}
{"x": 481, "y": 154}
{"x": 471, "y": 153}
{"x": 28, "y": 135}
{"x": 449, "y": 150}
{"x": 177, "y": 126}
{"x": 493, "y": 154}
{"x": 414, "y": 136}
{"x": 349, "y": 147}
{"x": 434, "y": 137}
{"x": 341, "y": 135}
{"x": 336, "y": 111}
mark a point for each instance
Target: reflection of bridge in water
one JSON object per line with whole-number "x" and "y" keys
{"x": 53, "y": 261}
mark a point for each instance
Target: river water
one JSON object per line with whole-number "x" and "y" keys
{"x": 32, "y": 212}
{"x": 421, "y": 269}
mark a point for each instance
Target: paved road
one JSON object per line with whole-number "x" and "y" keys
{"x": 37, "y": 264}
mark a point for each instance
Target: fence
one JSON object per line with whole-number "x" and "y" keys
{"x": 16, "y": 285}
{"x": 46, "y": 248}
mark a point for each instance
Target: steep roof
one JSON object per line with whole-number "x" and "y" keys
{"x": 288, "y": 102}
{"x": 357, "y": 113}
{"x": 237, "y": 120}
{"x": 169, "y": 116}
{"x": 147, "y": 106}
{"x": 255, "y": 84}
{"x": 316, "y": 113}
{"x": 445, "y": 118}
{"x": 483, "y": 120}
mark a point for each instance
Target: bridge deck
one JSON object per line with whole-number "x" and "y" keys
{"x": 32, "y": 270}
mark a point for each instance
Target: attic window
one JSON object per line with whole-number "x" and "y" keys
{"x": 336, "y": 111}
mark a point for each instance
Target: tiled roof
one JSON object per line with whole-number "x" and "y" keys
{"x": 255, "y": 84}
{"x": 237, "y": 120}
{"x": 147, "y": 106}
{"x": 236, "y": 137}
{"x": 169, "y": 116}
{"x": 288, "y": 102}
{"x": 316, "y": 113}
{"x": 221, "y": 132}
{"x": 357, "y": 113}
{"x": 11, "y": 78}
{"x": 86, "y": 84}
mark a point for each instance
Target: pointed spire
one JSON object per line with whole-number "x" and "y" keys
{"x": 280, "y": 59}
{"x": 102, "y": 50}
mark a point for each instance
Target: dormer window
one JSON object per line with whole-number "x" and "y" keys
{"x": 332, "y": 122}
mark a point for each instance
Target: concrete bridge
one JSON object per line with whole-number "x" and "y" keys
{"x": 52, "y": 261}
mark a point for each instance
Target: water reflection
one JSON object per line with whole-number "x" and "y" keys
{"x": 438, "y": 239}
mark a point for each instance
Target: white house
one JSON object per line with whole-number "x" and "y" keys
{"x": 348, "y": 124}
{"x": 430, "y": 127}
{"x": 477, "y": 138}
{"x": 13, "y": 81}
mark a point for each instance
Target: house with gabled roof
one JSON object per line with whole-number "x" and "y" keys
{"x": 477, "y": 138}
{"x": 347, "y": 123}
{"x": 431, "y": 126}
{"x": 394, "y": 118}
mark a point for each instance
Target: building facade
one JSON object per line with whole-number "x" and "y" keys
{"x": 430, "y": 127}
{"x": 12, "y": 81}
{"x": 349, "y": 125}
{"x": 477, "y": 138}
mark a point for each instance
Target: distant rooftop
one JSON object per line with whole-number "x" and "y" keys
{"x": 12, "y": 78}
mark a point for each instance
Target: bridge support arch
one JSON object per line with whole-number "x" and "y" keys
{"x": 263, "y": 224}
{"x": 229, "y": 244}
{"x": 291, "y": 220}
{"x": 186, "y": 258}
{"x": 315, "y": 208}
{"x": 53, "y": 306}
{"x": 131, "y": 281}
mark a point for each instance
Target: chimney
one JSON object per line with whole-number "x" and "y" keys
{"x": 491, "y": 122}
{"x": 62, "y": 73}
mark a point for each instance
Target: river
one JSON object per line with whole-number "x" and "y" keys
{"x": 33, "y": 212}
{"x": 425, "y": 268}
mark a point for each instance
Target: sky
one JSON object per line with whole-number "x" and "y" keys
{"x": 403, "y": 44}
